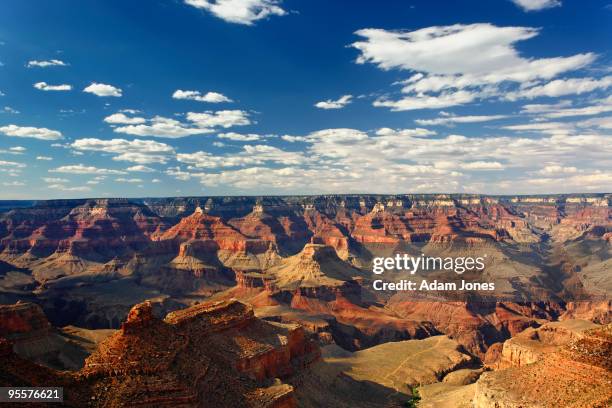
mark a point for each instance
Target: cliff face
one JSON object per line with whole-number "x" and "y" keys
{"x": 214, "y": 354}
{"x": 23, "y": 320}
{"x": 570, "y": 367}
{"x": 89, "y": 261}
{"x": 31, "y": 336}
{"x": 62, "y": 238}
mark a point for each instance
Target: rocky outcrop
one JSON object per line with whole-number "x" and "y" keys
{"x": 574, "y": 375}
{"x": 215, "y": 354}
{"x": 31, "y": 336}
{"x": 23, "y": 320}
{"x": 532, "y": 344}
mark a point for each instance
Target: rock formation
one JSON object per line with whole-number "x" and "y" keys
{"x": 214, "y": 354}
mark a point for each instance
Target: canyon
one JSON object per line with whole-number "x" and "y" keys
{"x": 113, "y": 289}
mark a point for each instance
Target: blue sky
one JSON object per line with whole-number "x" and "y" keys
{"x": 199, "y": 97}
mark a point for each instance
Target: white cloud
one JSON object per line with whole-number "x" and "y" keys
{"x": 222, "y": 118}
{"x": 62, "y": 187}
{"x": 43, "y": 86}
{"x": 293, "y": 139}
{"x": 554, "y": 170}
{"x": 8, "y": 109}
{"x": 417, "y": 132}
{"x": 17, "y": 149}
{"x": 250, "y": 156}
{"x": 82, "y": 169}
{"x": 450, "y": 120}
{"x": 123, "y": 119}
{"x": 562, "y": 87}
{"x": 103, "y": 90}
{"x": 210, "y": 97}
{"x": 481, "y": 165}
{"x": 141, "y": 168}
{"x": 45, "y": 158}
{"x": 443, "y": 100}
{"x": 554, "y": 128}
{"x": 535, "y": 5}
{"x": 335, "y": 104}
{"x": 160, "y": 126}
{"x": 476, "y": 49}
{"x": 33, "y": 132}
{"x": 55, "y": 180}
{"x": 240, "y": 11}
{"x": 199, "y": 123}
{"x": 5, "y": 163}
{"x": 130, "y": 180}
{"x": 602, "y": 123}
{"x": 562, "y": 110}
{"x": 475, "y": 165}
{"x": 238, "y": 137}
{"x": 586, "y": 182}
{"x": 13, "y": 184}
{"x": 136, "y": 151}
{"x": 46, "y": 63}
{"x": 540, "y": 108}
{"x": 455, "y": 65}
{"x": 156, "y": 180}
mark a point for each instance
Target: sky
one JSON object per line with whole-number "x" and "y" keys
{"x": 262, "y": 97}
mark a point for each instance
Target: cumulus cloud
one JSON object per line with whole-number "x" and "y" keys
{"x": 417, "y": 132}
{"x": 13, "y": 184}
{"x": 293, "y": 139}
{"x": 451, "y": 119}
{"x": 563, "y": 109}
{"x": 43, "y": 86}
{"x": 128, "y": 180}
{"x": 476, "y": 49}
{"x": 210, "y": 97}
{"x": 555, "y": 169}
{"x": 222, "y": 118}
{"x": 443, "y": 100}
{"x": 240, "y": 11}
{"x": 562, "y": 87}
{"x": 334, "y": 104}
{"x": 82, "y": 169}
{"x": 553, "y": 128}
{"x": 391, "y": 160}
{"x": 103, "y": 90}
{"x": 121, "y": 118}
{"x": 55, "y": 180}
{"x": 46, "y": 63}
{"x": 474, "y": 165}
{"x": 44, "y": 158}
{"x": 9, "y": 110}
{"x": 536, "y": 5}
{"x": 455, "y": 65}
{"x": 238, "y": 137}
{"x": 136, "y": 151}
{"x": 29, "y": 131}
{"x": 197, "y": 123}
{"x": 251, "y": 155}
{"x": 62, "y": 187}
{"x": 160, "y": 126}
{"x": 141, "y": 168}
{"x": 4, "y": 163}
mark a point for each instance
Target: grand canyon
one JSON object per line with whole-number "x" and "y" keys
{"x": 268, "y": 301}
